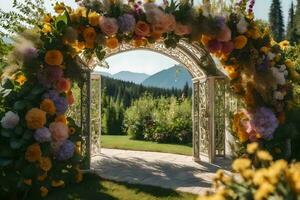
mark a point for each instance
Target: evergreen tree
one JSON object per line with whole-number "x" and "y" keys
{"x": 276, "y": 20}
{"x": 296, "y": 31}
{"x": 290, "y": 26}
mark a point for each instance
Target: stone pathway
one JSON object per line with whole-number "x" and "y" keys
{"x": 166, "y": 170}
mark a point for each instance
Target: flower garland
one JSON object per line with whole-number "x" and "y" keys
{"x": 38, "y": 92}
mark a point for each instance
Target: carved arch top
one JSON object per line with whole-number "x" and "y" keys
{"x": 193, "y": 56}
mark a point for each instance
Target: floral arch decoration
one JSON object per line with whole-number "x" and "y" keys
{"x": 42, "y": 147}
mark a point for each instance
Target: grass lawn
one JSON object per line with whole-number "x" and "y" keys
{"x": 95, "y": 188}
{"x": 124, "y": 142}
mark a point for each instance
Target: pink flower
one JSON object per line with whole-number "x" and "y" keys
{"x": 214, "y": 46}
{"x": 59, "y": 131}
{"x": 70, "y": 98}
{"x": 108, "y": 25}
{"x": 224, "y": 35}
{"x": 142, "y": 29}
{"x": 227, "y": 47}
{"x": 166, "y": 24}
{"x": 182, "y": 30}
{"x": 63, "y": 85}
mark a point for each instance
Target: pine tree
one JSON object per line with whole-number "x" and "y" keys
{"x": 290, "y": 25}
{"x": 296, "y": 31}
{"x": 276, "y": 20}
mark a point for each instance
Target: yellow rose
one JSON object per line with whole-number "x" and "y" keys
{"x": 35, "y": 118}
{"x": 57, "y": 183}
{"x": 94, "y": 18}
{"x": 28, "y": 181}
{"x": 45, "y": 164}
{"x": 54, "y": 57}
{"x": 61, "y": 118}
{"x": 251, "y": 148}
{"x": 33, "y": 153}
{"x": 112, "y": 43}
{"x": 47, "y": 28}
{"x": 48, "y": 106}
{"x": 44, "y": 191}
{"x": 264, "y": 155}
{"x": 59, "y": 7}
{"x": 240, "y": 42}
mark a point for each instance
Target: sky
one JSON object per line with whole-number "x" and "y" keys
{"x": 144, "y": 61}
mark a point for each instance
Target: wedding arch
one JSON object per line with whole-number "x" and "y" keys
{"x": 45, "y": 148}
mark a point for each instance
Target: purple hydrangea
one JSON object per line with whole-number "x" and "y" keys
{"x": 264, "y": 122}
{"x": 49, "y": 75}
{"x": 42, "y": 135}
{"x": 60, "y": 102}
{"x": 65, "y": 151}
{"x": 126, "y": 23}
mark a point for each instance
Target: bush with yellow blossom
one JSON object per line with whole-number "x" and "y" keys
{"x": 258, "y": 177}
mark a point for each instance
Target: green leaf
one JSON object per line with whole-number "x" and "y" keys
{"x": 15, "y": 144}
{"x": 27, "y": 135}
{"x": 5, "y": 161}
{"x": 20, "y": 105}
{"x": 61, "y": 22}
{"x": 8, "y": 84}
{"x": 6, "y": 133}
{"x": 18, "y": 130}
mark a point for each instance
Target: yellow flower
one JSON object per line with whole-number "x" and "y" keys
{"x": 94, "y": 18}
{"x": 78, "y": 147}
{"x": 264, "y": 191}
{"x": 57, "y": 183}
{"x": 112, "y": 43}
{"x": 47, "y": 18}
{"x": 251, "y": 148}
{"x": 247, "y": 174}
{"x": 28, "y": 181}
{"x": 260, "y": 176}
{"x": 61, "y": 118}
{"x": 54, "y": 57}
{"x": 72, "y": 130}
{"x": 238, "y": 126}
{"x": 265, "y": 50}
{"x": 33, "y": 153}
{"x": 48, "y": 106}
{"x": 42, "y": 177}
{"x": 21, "y": 79}
{"x": 45, "y": 164}
{"x": 241, "y": 164}
{"x": 264, "y": 155}
{"x": 35, "y": 118}
{"x": 140, "y": 42}
{"x": 47, "y": 28}
{"x": 59, "y": 7}
{"x": 89, "y": 35}
{"x": 240, "y": 42}
{"x": 289, "y": 64}
{"x": 284, "y": 44}
{"x": 44, "y": 191}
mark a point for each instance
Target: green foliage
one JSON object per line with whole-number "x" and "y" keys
{"x": 276, "y": 20}
{"x": 165, "y": 120}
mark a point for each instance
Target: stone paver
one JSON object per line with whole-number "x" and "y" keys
{"x": 166, "y": 170}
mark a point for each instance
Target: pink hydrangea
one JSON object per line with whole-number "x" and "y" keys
{"x": 59, "y": 131}
{"x": 108, "y": 25}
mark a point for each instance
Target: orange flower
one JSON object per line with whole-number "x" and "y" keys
{"x": 45, "y": 164}
{"x": 140, "y": 42}
{"x": 57, "y": 183}
{"x": 156, "y": 35}
{"x": 28, "y": 181}
{"x": 21, "y": 79}
{"x": 94, "y": 18}
{"x": 142, "y": 29}
{"x": 205, "y": 39}
{"x": 35, "y": 118}
{"x": 44, "y": 191}
{"x": 54, "y": 57}
{"x": 61, "y": 118}
{"x": 112, "y": 43}
{"x": 59, "y": 7}
{"x": 240, "y": 42}
{"x": 47, "y": 28}
{"x": 33, "y": 153}
{"x": 63, "y": 85}
{"x": 42, "y": 177}
{"x": 72, "y": 130}
{"x": 48, "y": 106}
{"x": 89, "y": 34}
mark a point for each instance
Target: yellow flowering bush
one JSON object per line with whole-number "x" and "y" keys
{"x": 258, "y": 177}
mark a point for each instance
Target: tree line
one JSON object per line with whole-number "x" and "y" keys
{"x": 117, "y": 96}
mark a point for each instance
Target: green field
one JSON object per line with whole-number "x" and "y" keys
{"x": 124, "y": 142}
{"x": 95, "y": 188}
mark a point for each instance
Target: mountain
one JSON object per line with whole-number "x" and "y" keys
{"x": 174, "y": 77}
{"x": 137, "y": 78}
{"x": 105, "y": 74}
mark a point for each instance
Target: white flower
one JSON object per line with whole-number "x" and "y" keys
{"x": 271, "y": 56}
{"x": 278, "y": 75}
{"x": 10, "y": 120}
{"x": 242, "y": 26}
{"x": 279, "y": 95}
